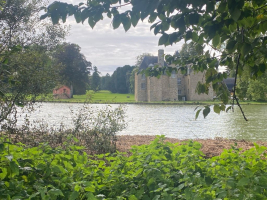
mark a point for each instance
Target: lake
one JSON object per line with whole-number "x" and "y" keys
{"x": 175, "y": 121}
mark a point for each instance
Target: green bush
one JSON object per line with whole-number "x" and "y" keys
{"x": 94, "y": 128}
{"x": 160, "y": 170}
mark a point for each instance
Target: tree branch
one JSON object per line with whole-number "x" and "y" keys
{"x": 237, "y": 65}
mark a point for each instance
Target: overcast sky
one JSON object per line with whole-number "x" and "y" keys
{"x": 108, "y": 49}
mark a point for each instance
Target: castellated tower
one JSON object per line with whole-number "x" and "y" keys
{"x": 161, "y": 57}
{"x": 167, "y": 88}
{"x": 152, "y": 88}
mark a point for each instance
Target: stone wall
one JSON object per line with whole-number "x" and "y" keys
{"x": 194, "y": 78}
{"x": 154, "y": 89}
{"x": 140, "y": 93}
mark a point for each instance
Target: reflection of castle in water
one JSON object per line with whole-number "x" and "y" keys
{"x": 168, "y": 88}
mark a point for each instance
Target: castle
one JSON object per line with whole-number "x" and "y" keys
{"x": 176, "y": 87}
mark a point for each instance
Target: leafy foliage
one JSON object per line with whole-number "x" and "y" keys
{"x": 120, "y": 80}
{"x": 26, "y": 69}
{"x": 160, "y": 170}
{"x": 95, "y": 80}
{"x": 235, "y": 29}
{"x": 75, "y": 69}
{"x": 94, "y": 128}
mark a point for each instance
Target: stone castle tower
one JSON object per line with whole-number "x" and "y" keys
{"x": 167, "y": 88}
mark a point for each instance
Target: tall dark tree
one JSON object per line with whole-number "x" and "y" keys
{"x": 120, "y": 79}
{"x": 95, "y": 81}
{"x": 105, "y": 82}
{"x": 75, "y": 69}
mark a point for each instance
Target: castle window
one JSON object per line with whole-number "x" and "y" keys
{"x": 179, "y": 92}
{"x": 173, "y": 74}
{"x": 143, "y": 86}
{"x": 179, "y": 81}
{"x": 143, "y": 77}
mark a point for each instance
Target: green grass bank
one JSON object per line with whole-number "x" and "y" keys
{"x": 107, "y": 97}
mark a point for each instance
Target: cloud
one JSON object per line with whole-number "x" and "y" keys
{"x": 107, "y": 48}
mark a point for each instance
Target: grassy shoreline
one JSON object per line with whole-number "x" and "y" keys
{"x": 106, "y": 97}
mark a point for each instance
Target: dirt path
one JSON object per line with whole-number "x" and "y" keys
{"x": 210, "y": 147}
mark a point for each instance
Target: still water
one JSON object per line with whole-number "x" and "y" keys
{"x": 175, "y": 121}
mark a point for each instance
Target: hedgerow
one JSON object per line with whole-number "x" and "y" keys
{"x": 160, "y": 170}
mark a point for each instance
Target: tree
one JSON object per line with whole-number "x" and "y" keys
{"x": 140, "y": 58}
{"x": 96, "y": 81}
{"x": 188, "y": 50}
{"x": 120, "y": 80}
{"x": 105, "y": 82}
{"x": 26, "y": 70}
{"x": 75, "y": 69}
{"x": 20, "y": 25}
{"x": 235, "y": 29}
{"x": 252, "y": 89}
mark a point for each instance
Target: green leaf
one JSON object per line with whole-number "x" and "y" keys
{"x": 246, "y": 48}
{"x": 181, "y": 186}
{"x": 91, "y": 22}
{"x": 3, "y": 174}
{"x": 156, "y": 197}
{"x": 173, "y": 37}
{"x": 126, "y": 21}
{"x": 2, "y": 146}
{"x": 90, "y": 196}
{"x": 78, "y": 17}
{"x": 56, "y": 192}
{"x": 230, "y": 45}
{"x": 217, "y": 108}
{"x": 152, "y": 17}
{"x": 243, "y": 181}
{"x": 197, "y": 113}
{"x": 132, "y": 197}
{"x": 235, "y": 14}
{"x": 206, "y": 111}
{"x": 163, "y": 39}
{"x": 116, "y": 21}
{"x": 74, "y": 195}
{"x": 216, "y": 40}
{"x": 194, "y": 37}
{"x": 134, "y": 18}
{"x": 44, "y": 16}
{"x": 222, "y": 7}
{"x": 14, "y": 168}
{"x": 55, "y": 18}
{"x": 228, "y": 108}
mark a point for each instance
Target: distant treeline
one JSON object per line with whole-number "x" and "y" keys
{"x": 121, "y": 81}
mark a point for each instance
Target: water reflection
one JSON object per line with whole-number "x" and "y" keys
{"x": 176, "y": 121}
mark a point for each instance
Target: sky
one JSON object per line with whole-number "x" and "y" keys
{"x": 108, "y": 49}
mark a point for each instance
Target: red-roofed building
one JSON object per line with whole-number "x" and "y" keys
{"x": 62, "y": 92}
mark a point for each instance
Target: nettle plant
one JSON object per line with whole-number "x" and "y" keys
{"x": 235, "y": 29}
{"x": 159, "y": 171}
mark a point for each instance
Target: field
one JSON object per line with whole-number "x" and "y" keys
{"x": 105, "y": 96}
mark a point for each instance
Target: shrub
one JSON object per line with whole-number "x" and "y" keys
{"x": 160, "y": 170}
{"x": 93, "y": 128}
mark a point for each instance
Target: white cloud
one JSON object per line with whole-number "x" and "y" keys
{"x": 107, "y": 48}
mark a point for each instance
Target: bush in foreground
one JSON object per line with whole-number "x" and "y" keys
{"x": 156, "y": 171}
